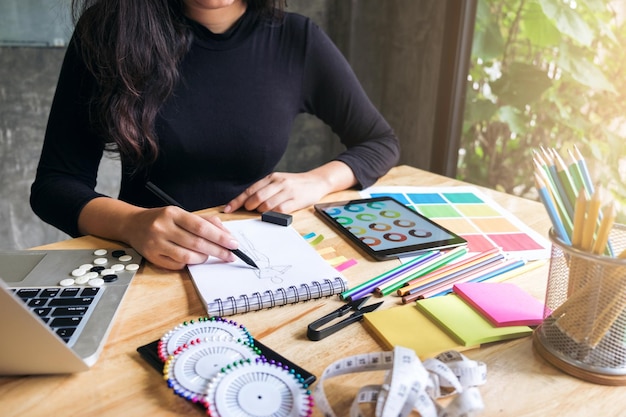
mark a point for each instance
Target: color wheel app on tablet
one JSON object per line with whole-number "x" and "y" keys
{"x": 387, "y": 227}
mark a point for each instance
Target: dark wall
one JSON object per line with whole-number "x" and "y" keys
{"x": 394, "y": 47}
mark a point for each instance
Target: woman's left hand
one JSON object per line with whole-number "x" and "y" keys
{"x": 287, "y": 192}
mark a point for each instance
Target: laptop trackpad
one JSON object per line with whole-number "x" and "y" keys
{"x": 14, "y": 267}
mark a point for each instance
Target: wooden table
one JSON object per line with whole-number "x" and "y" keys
{"x": 519, "y": 382}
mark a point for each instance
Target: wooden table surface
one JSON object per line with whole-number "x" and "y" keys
{"x": 121, "y": 383}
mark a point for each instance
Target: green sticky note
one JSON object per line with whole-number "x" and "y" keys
{"x": 464, "y": 324}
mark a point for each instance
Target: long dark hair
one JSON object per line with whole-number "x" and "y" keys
{"x": 133, "y": 49}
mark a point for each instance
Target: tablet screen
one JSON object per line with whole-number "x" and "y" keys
{"x": 385, "y": 228}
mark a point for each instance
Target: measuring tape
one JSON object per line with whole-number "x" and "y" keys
{"x": 410, "y": 384}
{"x": 213, "y": 362}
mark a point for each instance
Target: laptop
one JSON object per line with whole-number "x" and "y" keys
{"x": 57, "y": 307}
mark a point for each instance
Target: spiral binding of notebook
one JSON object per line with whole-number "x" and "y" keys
{"x": 282, "y": 296}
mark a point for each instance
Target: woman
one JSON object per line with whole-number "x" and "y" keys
{"x": 197, "y": 97}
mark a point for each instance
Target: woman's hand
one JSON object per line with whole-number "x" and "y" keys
{"x": 169, "y": 237}
{"x": 287, "y": 192}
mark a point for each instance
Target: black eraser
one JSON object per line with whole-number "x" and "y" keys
{"x": 277, "y": 218}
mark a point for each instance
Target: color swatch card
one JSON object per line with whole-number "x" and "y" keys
{"x": 464, "y": 324}
{"x": 409, "y": 327}
{"x": 474, "y": 216}
{"x": 502, "y": 303}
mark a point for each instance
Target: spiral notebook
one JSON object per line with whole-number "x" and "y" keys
{"x": 290, "y": 271}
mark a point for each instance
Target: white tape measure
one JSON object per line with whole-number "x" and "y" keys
{"x": 410, "y": 384}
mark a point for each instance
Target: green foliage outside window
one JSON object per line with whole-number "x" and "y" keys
{"x": 546, "y": 73}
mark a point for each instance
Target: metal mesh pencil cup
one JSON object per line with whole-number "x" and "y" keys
{"x": 584, "y": 328}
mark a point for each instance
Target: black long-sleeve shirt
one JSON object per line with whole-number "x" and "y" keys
{"x": 226, "y": 125}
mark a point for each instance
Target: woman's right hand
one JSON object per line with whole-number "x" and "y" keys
{"x": 169, "y": 237}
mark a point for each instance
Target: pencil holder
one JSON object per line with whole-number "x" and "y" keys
{"x": 583, "y": 331}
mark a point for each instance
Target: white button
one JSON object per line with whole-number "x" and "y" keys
{"x": 132, "y": 267}
{"x": 117, "y": 267}
{"x": 91, "y": 275}
{"x": 125, "y": 258}
{"x": 100, "y": 261}
{"x": 107, "y": 272}
{"x": 78, "y": 272}
{"x": 96, "y": 282}
{"x": 86, "y": 266}
{"x": 66, "y": 282}
{"x": 82, "y": 280}
{"x": 100, "y": 252}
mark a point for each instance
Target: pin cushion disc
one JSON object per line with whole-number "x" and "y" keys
{"x": 189, "y": 371}
{"x": 258, "y": 388}
{"x": 214, "y": 328}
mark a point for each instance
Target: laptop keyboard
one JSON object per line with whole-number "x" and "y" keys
{"x": 64, "y": 309}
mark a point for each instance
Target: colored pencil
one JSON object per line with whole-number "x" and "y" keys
{"x": 465, "y": 278}
{"x": 591, "y": 220}
{"x": 556, "y": 188}
{"x": 451, "y": 269}
{"x": 552, "y": 192}
{"x": 566, "y": 181}
{"x": 541, "y": 166}
{"x": 560, "y": 180}
{"x": 574, "y": 171}
{"x": 459, "y": 263}
{"x": 557, "y": 223}
{"x": 479, "y": 277}
{"x": 423, "y": 270}
{"x": 550, "y": 165}
{"x": 368, "y": 286}
{"x": 584, "y": 171}
{"x": 579, "y": 218}
{"x": 569, "y": 186}
{"x": 458, "y": 276}
{"x": 602, "y": 239}
{"x": 519, "y": 271}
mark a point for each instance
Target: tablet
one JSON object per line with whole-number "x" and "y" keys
{"x": 385, "y": 228}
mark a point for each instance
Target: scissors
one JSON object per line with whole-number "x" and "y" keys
{"x": 314, "y": 332}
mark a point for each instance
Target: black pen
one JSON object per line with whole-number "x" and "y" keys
{"x": 169, "y": 200}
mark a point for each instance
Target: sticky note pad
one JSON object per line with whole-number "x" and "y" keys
{"x": 502, "y": 303}
{"x": 408, "y": 327}
{"x": 464, "y": 324}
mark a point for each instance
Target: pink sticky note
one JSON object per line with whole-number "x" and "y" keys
{"x": 347, "y": 264}
{"x": 502, "y": 303}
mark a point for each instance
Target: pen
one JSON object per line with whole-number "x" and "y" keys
{"x": 169, "y": 200}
